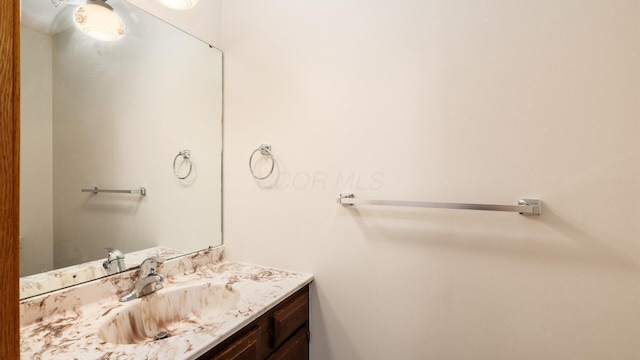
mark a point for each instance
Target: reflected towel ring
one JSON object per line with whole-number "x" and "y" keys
{"x": 186, "y": 155}
{"x": 264, "y": 149}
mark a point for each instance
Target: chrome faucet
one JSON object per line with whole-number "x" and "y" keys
{"x": 148, "y": 280}
{"x": 115, "y": 261}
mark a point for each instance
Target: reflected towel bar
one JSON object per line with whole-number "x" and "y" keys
{"x": 141, "y": 191}
{"x": 524, "y": 207}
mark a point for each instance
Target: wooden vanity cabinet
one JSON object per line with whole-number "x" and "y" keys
{"x": 282, "y": 333}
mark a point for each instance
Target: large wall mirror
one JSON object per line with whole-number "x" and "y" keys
{"x": 116, "y": 115}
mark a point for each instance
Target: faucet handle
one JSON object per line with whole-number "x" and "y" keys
{"x": 113, "y": 254}
{"x": 149, "y": 265}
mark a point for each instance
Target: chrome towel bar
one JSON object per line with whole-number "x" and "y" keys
{"x": 524, "y": 207}
{"x": 142, "y": 191}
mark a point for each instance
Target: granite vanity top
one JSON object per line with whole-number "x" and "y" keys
{"x": 70, "y": 323}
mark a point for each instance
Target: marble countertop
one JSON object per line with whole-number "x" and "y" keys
{"x": 70, "y": 323}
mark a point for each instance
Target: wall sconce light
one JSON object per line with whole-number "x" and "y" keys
{"x": 98, "y": 20}
{"x": 179, "y": 4}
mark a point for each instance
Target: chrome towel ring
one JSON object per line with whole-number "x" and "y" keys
{"x": 186, "y": 156}
{"x": 264, "y": 149}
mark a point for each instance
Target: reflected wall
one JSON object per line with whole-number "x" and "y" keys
{"x": 118, "y": 114}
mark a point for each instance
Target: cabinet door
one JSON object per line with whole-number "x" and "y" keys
{"x": 296, "y": 348}
{"x": 244, "y": 348}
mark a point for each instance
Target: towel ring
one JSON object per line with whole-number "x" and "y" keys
{"x": 264, "y": 149}
{"x": 186, "y": 155}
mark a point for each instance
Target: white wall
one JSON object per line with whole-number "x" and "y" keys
{"x": 36, "y": 161}
{"x": 122, "y": 111}
{"x": 202, "y": 21}
{"x": 461, "y": 101}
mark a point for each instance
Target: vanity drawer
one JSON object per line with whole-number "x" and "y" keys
{"x": 245, "y": 348}
{"x": 281, "y": 333}
{"x": 296, "y": 348}
{"x": 288, "y": 318}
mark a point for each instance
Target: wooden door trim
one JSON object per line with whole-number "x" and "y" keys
{"x": 9, "y": 178}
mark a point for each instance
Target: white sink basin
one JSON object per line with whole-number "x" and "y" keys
{"x": 171, "y": 310}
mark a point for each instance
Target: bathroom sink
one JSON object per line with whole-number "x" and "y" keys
{"x": 171, "y": 311}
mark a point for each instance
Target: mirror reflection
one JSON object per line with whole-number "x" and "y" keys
{"x": 116, "y": 115}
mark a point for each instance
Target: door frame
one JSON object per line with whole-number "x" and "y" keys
{"x": 9, "y": 179}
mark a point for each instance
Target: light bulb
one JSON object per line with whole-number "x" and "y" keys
{"x": 98, "y": 20}
{"x": 179, "y": 4}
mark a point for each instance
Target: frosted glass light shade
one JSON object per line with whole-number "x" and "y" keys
{"x": 179, "y": 4}
{"x": 98, "y": 20}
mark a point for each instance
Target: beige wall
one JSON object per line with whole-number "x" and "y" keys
{"x": 461, "y": 101}
{"x": 203, "y": 21}
{"x": 36, "y": 161}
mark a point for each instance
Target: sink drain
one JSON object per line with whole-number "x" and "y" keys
{"x": 161, "y": 335}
